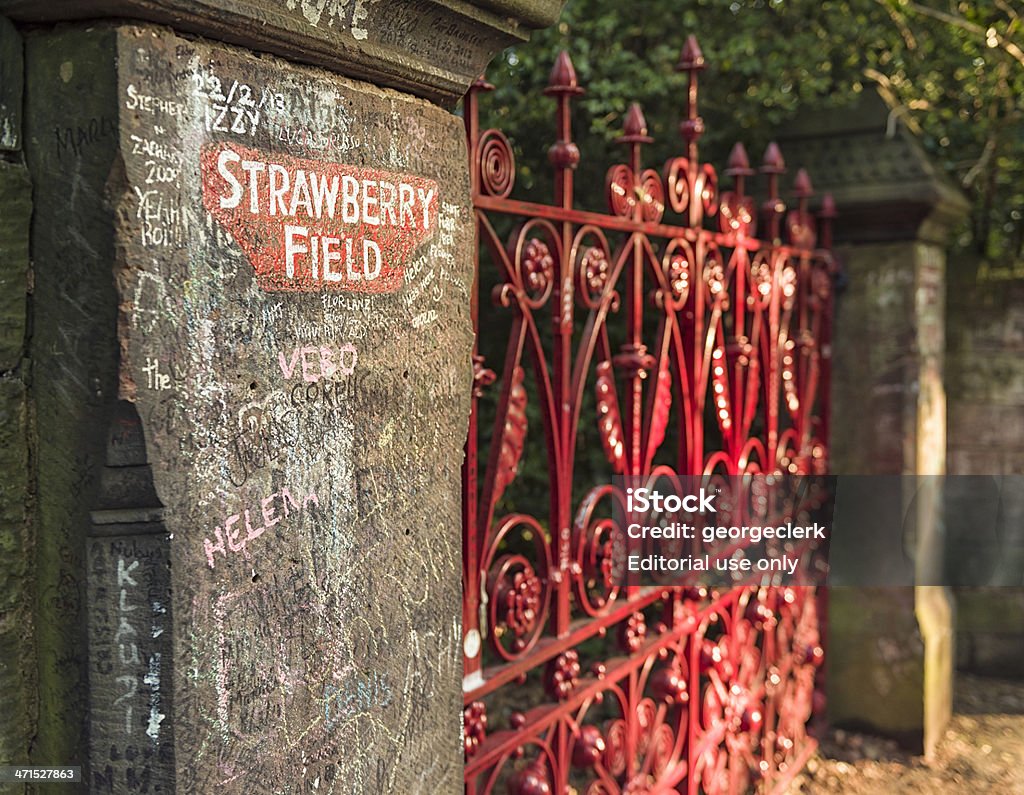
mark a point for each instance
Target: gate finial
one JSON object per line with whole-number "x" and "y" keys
{"x": 738, "y": 167}
{"x": 634, "y": 134}
{"x": 635, "y": 127}
{"x": 563, "y": 77}
{"x": 691, "y": 61}
{"x": 739, "y": 163}
{"x": 691, "y": 58}
{"x": 772, "y": 164}
{"x": 802, "y": 189}
{"x": 563, "y": 154}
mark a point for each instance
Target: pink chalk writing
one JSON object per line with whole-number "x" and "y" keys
{"x": 231, "y": 537}
{"x": 318, "y": 362}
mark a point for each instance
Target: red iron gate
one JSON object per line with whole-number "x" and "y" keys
{"x": 687, "y": 350}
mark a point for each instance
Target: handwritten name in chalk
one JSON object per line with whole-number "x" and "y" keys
{"x": 309, "y": 225}
{"x": 319, "y": 361}
{"x": 364, "y": 693}
{"x": 158, "y": 106}
{"x": 238, "y": 530}
{"x": 125, "y": 638}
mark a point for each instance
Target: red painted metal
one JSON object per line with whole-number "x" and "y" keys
{"x": 677, "y": 336}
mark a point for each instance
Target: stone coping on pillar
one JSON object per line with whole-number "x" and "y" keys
{"x": 430, "y": 48}
{"x": 885, "y": 185}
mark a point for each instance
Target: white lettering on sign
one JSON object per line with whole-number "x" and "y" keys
{"x": 310, "y": 225}
{"x": 319, "y": 264}
{"x": 286, "y": 192}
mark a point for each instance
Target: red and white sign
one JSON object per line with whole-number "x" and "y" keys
{"x": 312, "y": 226}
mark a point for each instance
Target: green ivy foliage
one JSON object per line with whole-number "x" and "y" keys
{"x": 956, "y": 68}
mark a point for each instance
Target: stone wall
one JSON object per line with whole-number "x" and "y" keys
{"x": 985, "y": 376}
{"x": 985, "y": 372}
{"x": 17, "y": 542}
{"x": 248, "y": 348}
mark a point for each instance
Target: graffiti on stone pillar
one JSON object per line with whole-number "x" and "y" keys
{"x": 293, "y": 274}
{"x": 129, "y": 626}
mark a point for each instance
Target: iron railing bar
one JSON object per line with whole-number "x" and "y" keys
{"x": 550, "y": 713}
{"x": 584, "y": 628}
{"x": 581, "y": 629}
{"x": 727, "y": 240}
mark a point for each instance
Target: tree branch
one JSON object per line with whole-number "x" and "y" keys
{"x": 900, "y": 23}
{"x": 944, "y": 16}
{"x": 982, "y": 162}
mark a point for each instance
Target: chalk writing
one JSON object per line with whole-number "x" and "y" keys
{"x": 329, "y": 394}
{"x": 162, "y": 221}
{"x": 129, "y": 648}
{"x": 154, "y": 378}
{"x": 424, "y": 319}
{"x": 362, "y": 693}
{"x": 358, "y": 17}
{"x": 319, "y": 361}
{"x": 158, "y": 106}
{"x": 152, "y": 678}
{"x": 231, "y": 534}
{"x": 263, "y": 438}
{"x": 314, "y": 139}
{"x": 413, "y": 295}
{"x": 147, "y": 147}
{"x": 124, "y": 638}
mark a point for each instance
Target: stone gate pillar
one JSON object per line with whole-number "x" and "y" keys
{"x": 249, "y": 355}
{"x": 18, "y": 673}
{"x": 890, "y": 650}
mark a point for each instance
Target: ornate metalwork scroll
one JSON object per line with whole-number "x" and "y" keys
{"x": 665, "y": 332}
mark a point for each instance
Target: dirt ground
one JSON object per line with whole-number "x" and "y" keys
{"x": 982, "y": 752}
